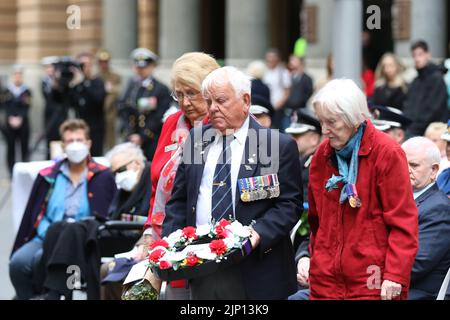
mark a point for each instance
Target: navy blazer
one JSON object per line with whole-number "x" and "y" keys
{"x": 269, "y": 271}
{"x": 433, "y": 257}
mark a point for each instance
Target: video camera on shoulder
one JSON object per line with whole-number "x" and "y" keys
{"x": 64, "y": 72}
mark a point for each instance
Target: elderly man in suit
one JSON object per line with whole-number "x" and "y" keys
{"x": 219, "y": 160}
{"x": 433, "y": 258}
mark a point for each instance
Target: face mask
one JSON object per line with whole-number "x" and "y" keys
{"x": 77, "y": 152}
{"x": 127, "y": 180}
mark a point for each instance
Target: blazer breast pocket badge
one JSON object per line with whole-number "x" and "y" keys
{"x": 259, "y": 188}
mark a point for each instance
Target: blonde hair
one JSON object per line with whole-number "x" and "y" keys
{"x": 439, "y": 127}
{"x": 192, "y": 68}
{"x": 344, "y": 98}
{"x": 381, "y": 77}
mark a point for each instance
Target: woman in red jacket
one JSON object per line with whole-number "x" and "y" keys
{"x": 363, "y": 219}
{"x": 188, "y": 73}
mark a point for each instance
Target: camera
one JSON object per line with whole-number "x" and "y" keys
{"x": 64, "y": 72}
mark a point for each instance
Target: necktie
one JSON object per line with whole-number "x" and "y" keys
{"x": 222, "y": 202}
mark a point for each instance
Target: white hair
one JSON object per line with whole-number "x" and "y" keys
{"x": 132, "y": 150}
{"x": 256, "y": 69}
{"x": 237, "y": 79}
{"x": 426, "y": 146}
{"x": 344, "y": 98}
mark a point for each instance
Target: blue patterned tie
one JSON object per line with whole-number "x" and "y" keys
{"x": 222, "y": 202}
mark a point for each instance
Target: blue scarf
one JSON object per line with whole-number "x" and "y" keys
{"x": 348, "y": 174}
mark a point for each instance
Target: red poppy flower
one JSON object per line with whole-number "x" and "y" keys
{"x": 224, "y": 223}
{"x": 221, "y": 232}
{"x": 189, "y": 232}
{"x": 159, "y": 242}
{"x": 158, "y": 218}
{"x": 169, "y": 183}
{"x": 192, "y": 261}
{"x": 218, "y": 247}
{"x": 163, "y": 264}
{"x": 168, "y": 168}
{"x": 156, "y": 255}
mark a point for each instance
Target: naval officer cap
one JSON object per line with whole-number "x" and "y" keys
{"x": 307, "y": 121}
{"x": 386, "y": 118}
{"x": 142, "y": 57}
{"x": 46, "y": 61}
{"x": 260, "y": 105}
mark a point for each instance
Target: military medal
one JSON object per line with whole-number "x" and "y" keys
{"x": 245, "y": 195}
{"x": 358, "y": 201}
{"x": 353, "y": 199}
{"x": 353, "y": 202}
{"x": 253, "y": 194}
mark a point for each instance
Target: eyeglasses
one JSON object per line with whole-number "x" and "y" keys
{"x": 122, "y": 168}
{"x": 179, "y": 96}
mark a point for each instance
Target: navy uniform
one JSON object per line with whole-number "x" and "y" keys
{"x": 17, "y": 102}
{"x": 262, "y": 109}
{"x": 144, "y": 104}
{"x": 391, "y": 121}
{"x": 306, "y": 122}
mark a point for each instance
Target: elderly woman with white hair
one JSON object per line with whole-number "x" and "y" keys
{"x": 363, "y": 219}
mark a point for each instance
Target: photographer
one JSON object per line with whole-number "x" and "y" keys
{"x": 87, "y": 95}
{"x": 55, "y": 112}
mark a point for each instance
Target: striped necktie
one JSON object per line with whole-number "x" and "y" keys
{"x": 222, "y": 201}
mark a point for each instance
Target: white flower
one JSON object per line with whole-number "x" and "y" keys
{"x": 203, "y": 230}
{"x": 206, "y": 255}
{"x": 174, "y": 237}
{"x": 175, "y": 256}
{"x": 231, "y": 241}
{"x": 238, "y": 229}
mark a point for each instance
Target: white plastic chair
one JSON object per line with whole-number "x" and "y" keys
{"x": 294, "y": 230}
{"x": 444, "y": 286}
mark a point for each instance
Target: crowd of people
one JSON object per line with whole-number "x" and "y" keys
{"x": 370, "y": 166}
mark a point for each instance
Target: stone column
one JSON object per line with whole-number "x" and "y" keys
{"x": 41, "y": 29}
{"x": 428, "y": 23}
{"x": 247, "y": 30}
{"x": 8, "y": 26}
{"x": 148, "y": 24}
{"x": 119, "y": 28}
{"x": 179, "y": 28}
{"x": 347, "y": 29}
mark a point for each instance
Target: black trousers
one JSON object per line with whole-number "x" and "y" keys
{"x": 21, "y": 135}
{"x": 225, "y": 284}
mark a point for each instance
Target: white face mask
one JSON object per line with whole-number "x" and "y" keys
{"x": 77, "y": 152}
{"x": 127, "y": 180}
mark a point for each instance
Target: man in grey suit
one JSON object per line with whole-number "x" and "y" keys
{"x": 433, "y": 257}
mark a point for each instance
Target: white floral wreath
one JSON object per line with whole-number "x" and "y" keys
{"x": 191, "y": 246}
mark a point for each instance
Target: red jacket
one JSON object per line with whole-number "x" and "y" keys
{"x": 351, "y": 247}
{"x": 160, "y": 159}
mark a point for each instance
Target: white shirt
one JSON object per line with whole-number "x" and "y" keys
{"x": 237, "y": 146}
{"x": 277, "y": 80}
{"x": 417, "y": 194}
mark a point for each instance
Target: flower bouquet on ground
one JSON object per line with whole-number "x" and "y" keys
{"x": 194, "y": 252}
